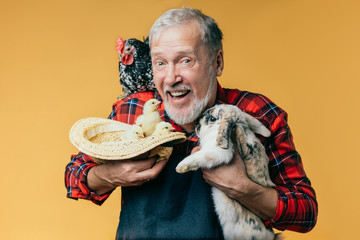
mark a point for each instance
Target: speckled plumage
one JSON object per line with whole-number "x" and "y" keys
{"x": 138, "y": 76}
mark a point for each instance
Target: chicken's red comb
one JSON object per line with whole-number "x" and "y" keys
{"x": 120, "y": 45}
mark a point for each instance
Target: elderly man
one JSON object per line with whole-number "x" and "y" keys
{"x": 187, "y": 58}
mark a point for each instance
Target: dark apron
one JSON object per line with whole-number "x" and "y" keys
{"x": 173, "y": 206}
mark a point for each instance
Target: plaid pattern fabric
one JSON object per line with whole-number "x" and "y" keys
{"x": 297, "y": 205}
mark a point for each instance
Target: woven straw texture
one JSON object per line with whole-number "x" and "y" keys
{"x": 100, "y": 139}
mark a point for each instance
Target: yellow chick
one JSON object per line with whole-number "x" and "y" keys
{"x": 163, "y": 128}
{"x": 134, "y": 132}
{"x": 150, "y": 117}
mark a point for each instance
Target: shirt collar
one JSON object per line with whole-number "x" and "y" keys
{"x": 221, "y": 97}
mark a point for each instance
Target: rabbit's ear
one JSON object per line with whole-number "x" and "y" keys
{"x": 256, "y": 126}
{"x": 223, "y": 136}
{"x": 225, "y": 127}
{"x": 221, "y": 114}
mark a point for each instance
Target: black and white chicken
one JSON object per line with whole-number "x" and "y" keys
{"x": 135, "y": 68}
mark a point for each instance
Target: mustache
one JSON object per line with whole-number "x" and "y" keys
{"x": 177, "y": 88}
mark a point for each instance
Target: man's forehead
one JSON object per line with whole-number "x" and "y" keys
{"x": 178, "y": 35}
{"x": 180, "y": 50}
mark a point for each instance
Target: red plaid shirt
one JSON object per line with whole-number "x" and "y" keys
{"x": 297, "y": 205}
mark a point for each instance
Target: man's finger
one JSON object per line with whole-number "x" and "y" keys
{"x": 144, "y": 164}
{"x": 195, "y": 149}
{"x": 151, "y": 173}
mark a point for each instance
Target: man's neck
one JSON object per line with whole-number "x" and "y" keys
{"x": 189, "y": 127}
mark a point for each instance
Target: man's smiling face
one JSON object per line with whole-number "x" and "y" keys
{"x": 183, "y": 74}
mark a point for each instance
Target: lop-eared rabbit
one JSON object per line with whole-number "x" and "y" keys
{"x": 214, "y": 128}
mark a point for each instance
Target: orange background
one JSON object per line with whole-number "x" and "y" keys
{"x": 58, "y": 64}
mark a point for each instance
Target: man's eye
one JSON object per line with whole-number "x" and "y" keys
{"x": 159, "y": 63}
{"x": 186, "y": 61}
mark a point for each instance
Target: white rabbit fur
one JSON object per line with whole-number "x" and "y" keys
{"x": 214, "y": 128}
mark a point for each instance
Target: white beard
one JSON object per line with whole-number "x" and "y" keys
{"x": 181, "y": 117}
{"x": 187, "y": 117}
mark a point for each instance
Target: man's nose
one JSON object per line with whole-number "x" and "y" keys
{"x": 172, "y": 75}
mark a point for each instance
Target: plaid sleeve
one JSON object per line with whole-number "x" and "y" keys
{"x": 297, "y": 206}
{"x": 76, "y": 179}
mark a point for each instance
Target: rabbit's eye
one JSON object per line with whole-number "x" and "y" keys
{"x": 212, "y": 119}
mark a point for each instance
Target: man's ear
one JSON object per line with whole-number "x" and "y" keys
{"x": 219, "y": 63}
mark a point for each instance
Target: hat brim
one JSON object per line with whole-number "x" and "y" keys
{"x": 100, "y": 138}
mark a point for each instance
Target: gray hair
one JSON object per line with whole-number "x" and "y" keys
{"x": 210, "y": 32}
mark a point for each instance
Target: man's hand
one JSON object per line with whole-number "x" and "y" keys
{"x": 135, "y": 172}
{"x": 231, "y": 178}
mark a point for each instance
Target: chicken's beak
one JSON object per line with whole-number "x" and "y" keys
{"x": 126, "y": 59}
{"x": 126, "y": 56}
{"x": 141, "y": 135}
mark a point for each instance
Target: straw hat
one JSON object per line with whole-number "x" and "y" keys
{"x": 100, "y": 138}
